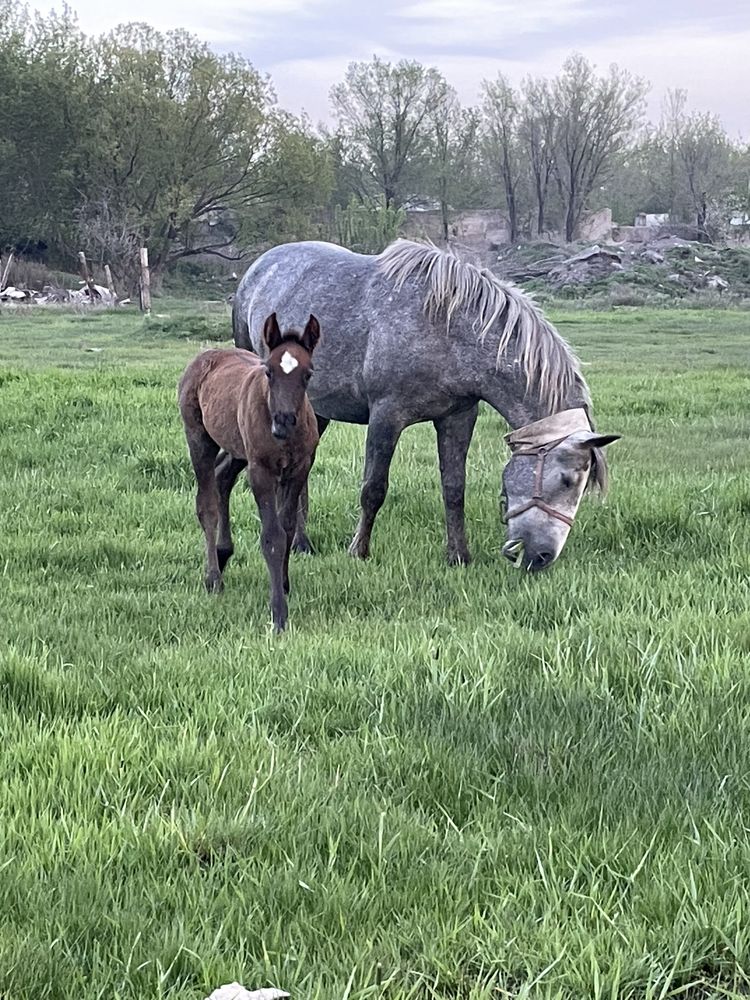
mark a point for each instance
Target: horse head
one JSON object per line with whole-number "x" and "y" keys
{"x": 552, "y": 462}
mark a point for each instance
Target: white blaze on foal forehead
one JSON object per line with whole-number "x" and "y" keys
{"x": 288, "y": 363}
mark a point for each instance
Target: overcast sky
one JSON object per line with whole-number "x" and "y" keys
{"x": 305, "y": 45}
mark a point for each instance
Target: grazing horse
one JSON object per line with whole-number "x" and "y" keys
{"x": 259, "y": 415}
{"x": 417, "y": 334}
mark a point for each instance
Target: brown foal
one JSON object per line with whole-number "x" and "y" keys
{"x": 259, "y": 414}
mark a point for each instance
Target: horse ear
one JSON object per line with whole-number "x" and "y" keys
{"x": 590, "y": 439}
{"x": 311, "y": 334}
{"x": 271, "y": 332}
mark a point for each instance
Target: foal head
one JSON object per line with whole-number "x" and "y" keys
{"x": 288, "y": 369}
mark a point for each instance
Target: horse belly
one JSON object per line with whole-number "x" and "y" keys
{"x": 347, "y": 405}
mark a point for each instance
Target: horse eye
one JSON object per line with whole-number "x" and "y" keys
{"x": 567, "y": 482}
{"x": 268, "y": 372}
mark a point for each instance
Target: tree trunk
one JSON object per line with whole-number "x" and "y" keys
{"x": 571, "y": 216}
{"x": 570, "y": 224}
{"x": 540, "y": 209}
{"x": 510, "y": 199}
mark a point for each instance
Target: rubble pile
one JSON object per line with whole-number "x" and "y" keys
{"x": 668, "y": 266}
{"x": 61, "y": 296}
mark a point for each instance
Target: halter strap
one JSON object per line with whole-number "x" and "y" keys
{"x": 536, "y": 499}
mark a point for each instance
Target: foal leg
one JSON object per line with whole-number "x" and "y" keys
{"x": 203, "y": 452}
{"x": 226, "y": 472}
{"x": 273, "y": 540}
{"x": 383, "y": 432}
{"x": 454, "y": 437}
{"x": 301, "y": 542}
{"x": 289, "y": 501}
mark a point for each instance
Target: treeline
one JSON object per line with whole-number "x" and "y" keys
{"x": 139, "y": 137}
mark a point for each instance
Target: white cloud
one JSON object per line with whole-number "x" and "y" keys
{"x": 215, "y": 22}
{"x": 489, "y": 21}
{"x": 710, "y": 65}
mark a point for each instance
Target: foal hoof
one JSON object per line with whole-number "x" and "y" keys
{"x": 214, "y": 583}
{"x": 302, "y": 545}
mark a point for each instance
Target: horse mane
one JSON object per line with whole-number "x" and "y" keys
{"x": 454, "y": 284}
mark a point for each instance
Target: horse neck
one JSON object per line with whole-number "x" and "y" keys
{"x": 507, "y": 392}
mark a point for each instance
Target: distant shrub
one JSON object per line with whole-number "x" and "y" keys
{"x": 204, "y": 326}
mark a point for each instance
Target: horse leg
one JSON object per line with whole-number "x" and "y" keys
{"x": 383, "y": 433}
{"x": 203, "y": 452}
{"x": 227, "y": 469}
{"x": 273, "y": 539}
{"x": 454, "y": 437}
{"x": 301, "y": 542}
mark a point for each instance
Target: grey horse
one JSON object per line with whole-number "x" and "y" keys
{"x": 415, "y": 334}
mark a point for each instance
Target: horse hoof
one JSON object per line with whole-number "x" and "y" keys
{"x": 303, "y": 546}
{"x": 214, "y": 583}
{"x": 458, "y": 558}
{"x": 359, "y": 550}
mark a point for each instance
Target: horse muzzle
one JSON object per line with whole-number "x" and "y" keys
{"x": 525, "y": 557}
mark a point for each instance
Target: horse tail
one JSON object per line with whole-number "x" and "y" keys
{"x": 240, "y": 329}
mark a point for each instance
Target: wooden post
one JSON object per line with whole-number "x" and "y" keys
{"x": 6, "y": 272}
{"x": 145, "y": 283}
{"x": 86, "y": 275}
{"x": 110, "y": 282}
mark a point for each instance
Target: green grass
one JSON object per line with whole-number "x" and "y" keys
{"x": 440, "y": 783}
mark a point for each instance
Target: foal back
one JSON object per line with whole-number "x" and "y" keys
{"x": 214, "y": 394}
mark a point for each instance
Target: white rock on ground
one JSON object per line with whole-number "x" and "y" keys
{"x": 235, "y": 991}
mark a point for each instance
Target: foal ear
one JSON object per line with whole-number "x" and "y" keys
{"x": 590, "y": 439}
{"x": 271, "y": 332}
{"x": 311, "y": 334}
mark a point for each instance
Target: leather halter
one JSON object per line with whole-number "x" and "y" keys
{"x": 536, "y": 498}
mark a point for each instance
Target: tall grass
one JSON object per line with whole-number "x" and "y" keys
{"x": 440, "y": 783}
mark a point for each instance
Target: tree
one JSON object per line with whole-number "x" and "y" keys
{"x": 688, "y": 164}
{"x": 537, "y": 134}
{"x": 502, "y": 116}
{"x": 454, "y": 134}
{"x": 184, "y": 133}
{"x": 46, "y": 133}
{"x": 384, "y": 113}
{"x": 596, "y": 116}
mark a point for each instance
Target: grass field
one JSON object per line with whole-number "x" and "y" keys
{"x": 439, "y": 783}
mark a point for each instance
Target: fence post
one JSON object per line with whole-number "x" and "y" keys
{"x": 145, "y": 283}
{"x": 86, "y": 275}
{"x": 110, "y": 282}
{"x": 5, "y": 274}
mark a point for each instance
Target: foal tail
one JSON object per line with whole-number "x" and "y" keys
{"x": 240, "y": 329}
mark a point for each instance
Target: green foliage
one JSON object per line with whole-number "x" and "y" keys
{"x": 439, "y": 783}
{"x": 367, "y": 226}
{"x": 384, "y": 113}
{"x": 141, "y": 138}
